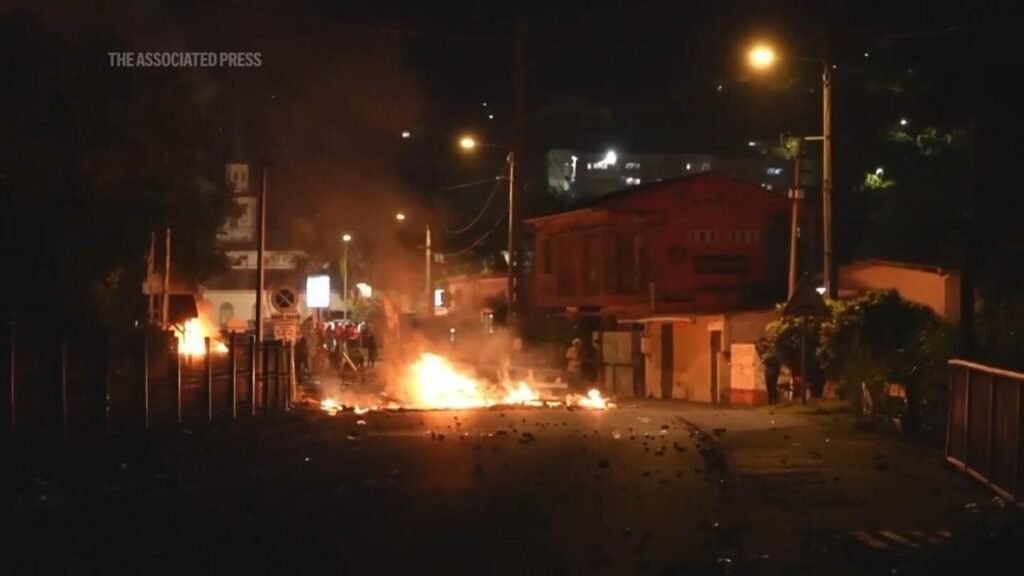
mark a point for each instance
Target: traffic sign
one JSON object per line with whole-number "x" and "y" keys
{"x": 285, "y": 299}
{"x": 287, "y": 331}
{"x": 806, "y": 301}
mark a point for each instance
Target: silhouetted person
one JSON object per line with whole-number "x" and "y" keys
{"x": 772, "y": 368}
{"x": 370, "y": 344}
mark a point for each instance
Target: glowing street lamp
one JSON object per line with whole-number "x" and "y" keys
{"x": 763, "y": 57}
{"x": 469, "y": 143}
{"x": 400, "y": 217}
{"x": 345, "y": 239}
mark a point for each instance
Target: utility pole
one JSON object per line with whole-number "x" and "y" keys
{"x": 150, "y": 272}
{"x": 511, "y": 235}
{"x": 429, "y": 287}
{"x": 261, "y": 233}
{"x": 515, "y": 157}
{"x": 796, "y": 194}
{"x": 166, "y": 308}
{"x": 831, "y": 289}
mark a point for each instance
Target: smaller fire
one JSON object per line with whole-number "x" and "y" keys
{"x": 192, "y": 339}
{"x": 523, "y": 395}
{"x": 330, "y": 406}
{"x": 593, "y": 400}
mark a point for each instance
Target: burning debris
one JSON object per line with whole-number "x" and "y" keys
{"x": 434, "y": 383}
{"x": 192, "y": 339}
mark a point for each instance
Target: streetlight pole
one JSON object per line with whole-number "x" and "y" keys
{"x": 426, "y": 260}
{"x": 831, "y": 289}
{"x": 763, "y": 57}
{"x": 345, "y": 239}
{"x": 511, "y": 234}
{"x": 795, "y": 195}
{"x": 470, "y": 143}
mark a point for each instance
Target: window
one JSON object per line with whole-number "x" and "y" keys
{"x": 591, "y": 261}
{"x": 703, "y": 236}
{"x": 720, "y": 264}
{"x": 545, "y": 255}
{"x": 677, "y": 253}
{"x": 774, "y": 171}
{"x": 643, "y": 263}
{"x": 565, "y": 274}
{"x": 744, "y": 236}
{"x": 227, "y": 313}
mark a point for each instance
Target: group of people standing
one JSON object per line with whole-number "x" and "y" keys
{"x": 338, "y": 345}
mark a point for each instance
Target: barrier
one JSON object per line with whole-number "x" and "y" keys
{"x": 984, "y": 432}
{"x": 72, "y": 382}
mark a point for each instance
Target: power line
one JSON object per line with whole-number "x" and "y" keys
{"x": 471, "y": 184}
{"x": 483, "y": 210}
{"x": 478, "y": 240}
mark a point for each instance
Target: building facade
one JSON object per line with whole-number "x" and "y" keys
{"x": 706, "y": 242}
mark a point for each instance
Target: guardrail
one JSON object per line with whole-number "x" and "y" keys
{"x": 985, "y": 435}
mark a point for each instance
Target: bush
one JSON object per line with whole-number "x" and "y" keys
{"x": 874, "y": 339}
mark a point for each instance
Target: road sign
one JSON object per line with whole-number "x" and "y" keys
{"x": 806, "y": 301}
{"x": 285, "y": 299}
{"x": 286, "y": 317}
{"x": 286, "y": 330}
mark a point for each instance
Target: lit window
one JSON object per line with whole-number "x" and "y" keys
{"x": 774, "y": 171}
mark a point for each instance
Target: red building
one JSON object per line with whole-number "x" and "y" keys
{"x": 706, "y": 242}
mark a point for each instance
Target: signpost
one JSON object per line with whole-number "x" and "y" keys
{"x": 285, "y": 301}
{"x": 805, "y": 303}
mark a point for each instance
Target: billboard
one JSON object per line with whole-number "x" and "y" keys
{"x": 318, "y": 292}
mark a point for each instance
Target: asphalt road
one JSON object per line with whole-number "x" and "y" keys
{"x": 634, "y": 490}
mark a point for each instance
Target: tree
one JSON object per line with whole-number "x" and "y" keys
{"x": 95, "y": 159}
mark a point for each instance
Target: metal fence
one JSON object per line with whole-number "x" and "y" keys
{"x": 984, "y": 435}
{"x": 78, "y": 382}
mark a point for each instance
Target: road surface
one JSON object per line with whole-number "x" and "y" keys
{"x": 643, "y": 489}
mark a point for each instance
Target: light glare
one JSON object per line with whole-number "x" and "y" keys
{"x": 762, "y": 57}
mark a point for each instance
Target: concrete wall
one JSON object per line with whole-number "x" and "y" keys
{"x": 931, "y": 287}
{"x": 692, "y": 358}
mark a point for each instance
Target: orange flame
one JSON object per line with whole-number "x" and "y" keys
{"x": 434, "y": 383}
{"x": 191, "y": 339}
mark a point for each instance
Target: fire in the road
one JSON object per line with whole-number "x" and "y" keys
{"x": 434, "y": 383}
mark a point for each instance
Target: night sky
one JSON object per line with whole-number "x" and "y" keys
{"x": 341, "y": 81}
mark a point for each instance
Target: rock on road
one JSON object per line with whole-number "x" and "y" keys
{"x": 519, "y": 491}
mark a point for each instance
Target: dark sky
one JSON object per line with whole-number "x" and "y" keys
{"x": 341, "y": 80}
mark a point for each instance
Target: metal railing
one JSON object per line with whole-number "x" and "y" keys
{"x": 72, "y": 383}
{"x": 985, "y": 437}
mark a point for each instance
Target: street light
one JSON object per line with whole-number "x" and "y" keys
{"x": 345, "y": 239}
{"x": 469, "y": 143}
{"x": 763, "y": 57}
{"x": 428, "y": 288}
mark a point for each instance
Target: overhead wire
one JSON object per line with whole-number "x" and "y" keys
{"x": 479, "y": 240}
{"x": 483, "y": 210}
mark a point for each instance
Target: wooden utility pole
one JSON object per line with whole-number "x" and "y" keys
{"x": 261, "y": 229}
{"x": 166, "y": 294}
{"x": 516, "y": 161}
